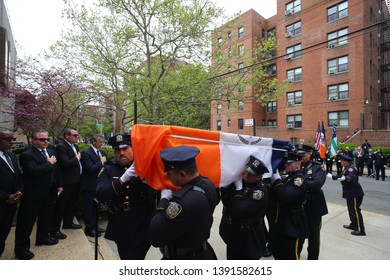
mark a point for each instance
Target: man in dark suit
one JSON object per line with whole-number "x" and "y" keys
{"x": 92, "y": 161}
{"x": 69, "y": 160}
{"x": 10, "y": 187}
{"x": 42, "y": 182}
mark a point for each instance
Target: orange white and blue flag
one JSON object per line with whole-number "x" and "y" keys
{"x": 222, "y": 156}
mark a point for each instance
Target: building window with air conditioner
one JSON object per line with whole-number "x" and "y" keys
{"x": 240, "y": 124}
{"x": 293, "y": 29}
{"x": 271, "y": 107}
{"x": 294, "y": 98}
{"x": 241, "y": 50}
{"x": 340, "y": 118}
{"x": 294, "y": 121}
{"x": 294, "y": 75}
{"x": 294, "y": 52}
{"x": 338, "y": 91}
{"x": 292, "y": 7}
{"x": 240, "y": 32}
{"x": 337, "y": 65}
{"x": 338, "y": 38}
{"x": 271, "y": 123}
{"x": 219, "y": 108}
{"x": 240, "y": 106}
{"x": 338, "y": 11}
{"x": 271, "y": 70}
{"x": 219, "y": 125}
{"x": 241, "y": 68}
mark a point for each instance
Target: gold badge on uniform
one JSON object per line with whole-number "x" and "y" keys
{"x": 298, "y": 182}
{"x": 173, "y": 210}
{"x": 258, "y": 195}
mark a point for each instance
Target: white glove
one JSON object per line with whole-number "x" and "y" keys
{"x": 342, "y": 178}
{"x": 166, "y": 193}
{"x": 329, "y": 175}
{"x": 130, "y": 172}
{"x": 238, "y": 184}
{"x": 275, "y": 176}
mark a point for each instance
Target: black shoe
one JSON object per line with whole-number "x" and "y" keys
{"x": 25, "y": 255}
{"x": 101, "y": 230}
{"x": 348, "y": 227}
{"x": 72, "y": 226}
{"x": 267, "y": 253}
{"x": 92, "y": 233}
{"x": 356, "y": 232}
{"x": 57, "y": 234}
{"x": 47, "y": 241}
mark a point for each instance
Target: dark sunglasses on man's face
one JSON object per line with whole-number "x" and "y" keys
{"x": 42, "y": 139}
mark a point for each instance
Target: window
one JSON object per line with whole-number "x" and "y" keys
{"x": 241, "y": 68}
{"x": 294, "y": 121}
{"x": 229, "y": 52}
{"x": 240, "y": 124}
{"x": 293, "y": 7}
{"x": 271, "y": 123}
{"x": 240, "y": 106}
{"x": 340, "y": 118}
{"x": 338, "y": 11}
{"x": 271, "y": 32}
{"x": 293, "y": 29}
{"x": 338, "y": 38}
{"x": 241, "y": 50}
{"x": 294, "y": 98}
{"x": 340, "y": 91}
{"x": 228, "y": 123}
{"x": 241, "y": 32}
{"x": 337, "y": 65}
{"x": 294, "y": 75}
{"x": 219, "y": 41}
{"x": 229, "y": 35}
{"x": 271, "y": 70}
{"x": 271, "y": 106}
{"x": 219, "y": 108}
{"x": 219, "y": 125}
{"x": 294, "y": 52}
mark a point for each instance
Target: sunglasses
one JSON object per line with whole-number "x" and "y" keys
{"x": 42, "y": 139}
{"x": 75, "y": 135}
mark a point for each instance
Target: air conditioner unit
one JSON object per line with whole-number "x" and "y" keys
{"x": 290, "y": 103}
{"x": 379, "y": 104}
{"x": 332, "y": 45}
{"x": 289, "y": 56}
{"x": 333, "y": 98}
{"x": 289, "y": 12}
{"x": 289, "y": 34}
{"x": 290, "y": 125}
{"x": 290, "y": 80}
{"x": 332, "y": 71}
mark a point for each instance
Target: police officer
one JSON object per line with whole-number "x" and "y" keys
{"x": 329, "y": 160}
{"x": 181, "y": 224}
{"x": 241, "y": 225}
{"x": 290, "y": 227}
{"x": 353, "y": 193}
{"x": 315, "y": 205}
{"x": 380, "y": 164}
{"x": 338, "y": 157}
{"x": 131, "y": 202}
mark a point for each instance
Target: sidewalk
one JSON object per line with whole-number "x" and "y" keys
{"x": 336, "y": 242}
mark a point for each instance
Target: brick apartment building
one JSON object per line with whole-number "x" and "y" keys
{"x": 336, "y": 56}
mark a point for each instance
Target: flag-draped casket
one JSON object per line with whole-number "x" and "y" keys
{"x": 222, "y": 156}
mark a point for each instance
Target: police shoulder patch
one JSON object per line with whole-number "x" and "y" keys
{"x": 298, "y": 181}
{"x": 257, "y": 195}
{"x": 350, "y": 169}
{"x": 173, "y": 210}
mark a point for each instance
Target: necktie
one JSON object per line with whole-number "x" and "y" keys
{"x": 98, "y": 153}
{"x": 9, "y": 161}
{"x": 43, "y": 153}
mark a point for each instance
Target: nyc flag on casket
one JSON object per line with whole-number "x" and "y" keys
{"x": 222, "y": 156}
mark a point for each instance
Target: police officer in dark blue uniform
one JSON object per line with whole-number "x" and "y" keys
{"x": 315, "y": 205}
{"x": 329, "y": 160}
{"x": 290, "y": 226}
{"x": 131, "y": 202}
{"x": 353, "y": 193}
{"x": 241, "y": 225}
{"x": 181, "y": 224}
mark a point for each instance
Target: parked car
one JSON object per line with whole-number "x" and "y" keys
{"x": 18, "y": 145}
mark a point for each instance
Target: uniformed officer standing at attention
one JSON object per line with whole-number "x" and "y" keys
{"x": 131, "y": 202}
{"x": 181, "y": 224}
{"x": 353, "y": 193}
{"x": 244, "y": 207}
{"x": 290, "y": 227}
{"x": 315, "y": 205}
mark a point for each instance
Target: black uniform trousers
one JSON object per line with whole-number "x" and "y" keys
{"x": 7, "y": 215}
{"x": 65, "y": 208}
{"x": 313, "y": 248}
{"x": 354, "y": 212}
{"x": 380, "y": 169}
{"x": 286, "y": 247}
{"x": 29, "y": 212}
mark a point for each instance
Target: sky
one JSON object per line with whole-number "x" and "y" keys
{"x": 37, "y": 24}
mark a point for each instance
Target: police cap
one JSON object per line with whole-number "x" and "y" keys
{"x": 292, "y": 157}
{"x": 303, "y": 148}
{"x": 256, "y": 166}
{"x": 347, "y": 158}
{"x": 178, "y": 157}
{"x": 120, "y": 141}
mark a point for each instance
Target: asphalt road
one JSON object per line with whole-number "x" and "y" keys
{"x": 376, "y": 199}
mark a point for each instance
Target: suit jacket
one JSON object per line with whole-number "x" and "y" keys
{"x": 11, "y": 182}
{"x": 69, "y": 163}
{"x": 40, "y": 177}
{"x": 91, "y": 167}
